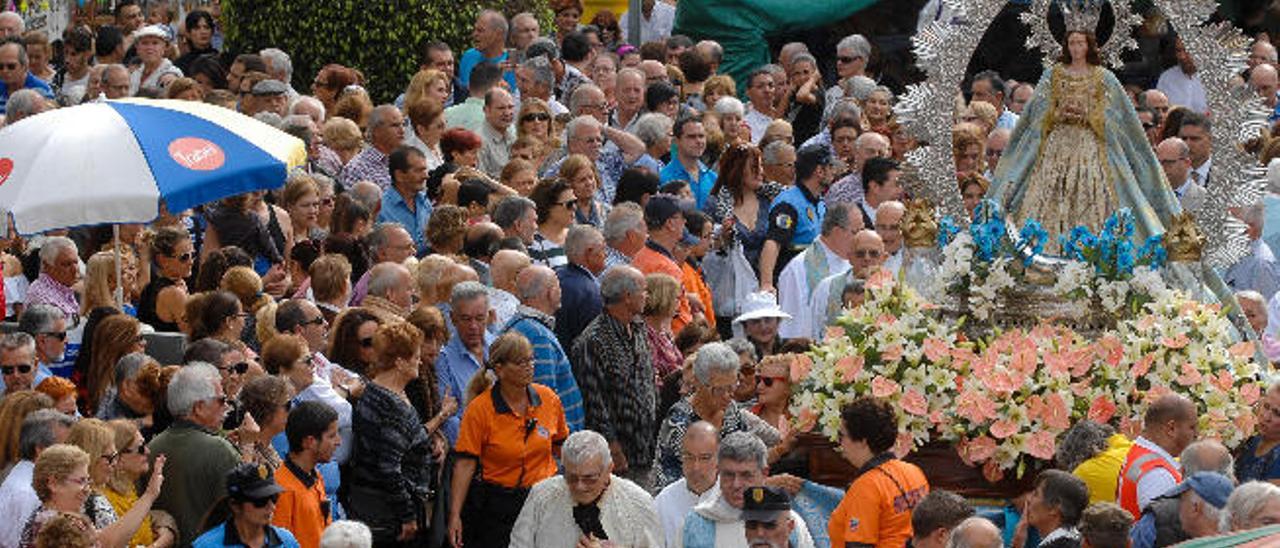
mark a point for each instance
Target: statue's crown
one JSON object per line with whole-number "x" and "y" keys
{"x": 1081, "y": 15}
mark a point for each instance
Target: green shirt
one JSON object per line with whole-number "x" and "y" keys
{"x": 194, "y": 473}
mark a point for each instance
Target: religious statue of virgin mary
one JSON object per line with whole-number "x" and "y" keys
{"x": 1079, "y": 152}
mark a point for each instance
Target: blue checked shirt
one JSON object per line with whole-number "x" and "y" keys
{"x": 551, "y": 365}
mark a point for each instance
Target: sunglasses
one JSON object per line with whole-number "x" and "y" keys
{"x": 768, "y": 381}
{"x": 8, "y": 369}
{"x": 845, "y": 59}
{"x": 866, "y": 254}
{"x": 111, "y": 459}
{"x": 536, "y": 117}
{"x": 237, "y": 368}
{"x": 262, "y": 503}
{"x": 60, "y": 335}
{"x": 9, "y": 66}
{"x": 185, "y": 256}
{"x": 366, "y": 342}
{"x": 568, "y": 204}
{"x": 139, "y": 450}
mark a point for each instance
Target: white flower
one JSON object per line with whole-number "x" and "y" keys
{"x": 1113, "y": 294}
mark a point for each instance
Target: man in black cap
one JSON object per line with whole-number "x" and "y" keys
{"x": 270, "y": 96}
{"x": 795, "y": 216}
{"x": 252, "y": 494}
{"x": 664, "y": 216}
{"x": 766, "y": 513}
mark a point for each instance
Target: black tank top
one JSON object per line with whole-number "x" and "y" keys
{"x": 147, "y": 304}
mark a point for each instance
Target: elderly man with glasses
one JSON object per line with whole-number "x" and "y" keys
{"x": 48, "y": 327}
{"x": 17, "y": 362}
{"x": 14, "y": 73}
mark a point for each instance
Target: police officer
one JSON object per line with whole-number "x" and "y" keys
{"x": 795, "y": 216}
{"x": 766, "y": 516}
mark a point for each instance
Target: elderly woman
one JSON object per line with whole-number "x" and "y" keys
{"x": 773, "y": 388}
{"x": 587, "y": 499}
{"x": 95, "y": 438}
{"x": 265, "y": 399}
{"x": 1095, "y": 453}
{"x": 660, "y": 307}
{"x": 391, "y": 469}
{"x": 432, "y": 410}
{"x": 426, "y": 119}
{"x": 1259, "y": 459}
{"x": 1252, "y": 505}
{"x": 158, "y": 528}
{"x": 867, "y": 515}
{"x": 1055, "y": 507}
{"x": 427, "y": 84}
{"x": 654, "y": 130}
{"x": 460, "y": 147}
{"x": 63, "y": 394}
{"x": 162, "y": 301}
{"x": 63, "y": 483}
{"x": 877, "y": 109}
{"x": 759, "y": 320}
{"x": 555, "y": 201}
{"x": 745, "y": 393}
{"x": 343, "y": 137}
{"x": 520, "y": 176}
{"x": 715, "y": 377}
{"x": 510, "y": 432}
{"x": 137, "y": 387}
{"x": 580, "y": 172}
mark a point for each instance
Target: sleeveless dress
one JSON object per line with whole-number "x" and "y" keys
{"x": 147, "y": 305}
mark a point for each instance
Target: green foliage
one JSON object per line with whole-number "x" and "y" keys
{"x": 381, "y": 38}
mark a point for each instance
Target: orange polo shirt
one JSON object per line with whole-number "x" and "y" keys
{"x": 695, "y": 284}
{"x": 514, "y": 450}
{"x": 300, "y": 507}
{"x": 651, "y": 261}
{"x": 876, "y": 509}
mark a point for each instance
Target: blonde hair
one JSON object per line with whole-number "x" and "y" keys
{"x": 356, "y": 106}
{"x": 986, "y": 112}
{"x": 264, "y": 324}
{"x": 297, "y": 188}
{"x": 125, "y": 431}
{"x": 427, "y": 274}
{"x": 246, "y": 285}
{"x": 421, "y": 82}
{"x": 94, "y": 437}
{"x": 329, "y": 273}
{"x": 342, "y": 134}
{"x": 508, "y": 348}
{"x": 720, "y": 84}
{"x": 663, "y": 295}
{"x": 14, "y": 408}
{"x": 66, "y": 530}
{"x": 99, "y": 281}
{"x": 56, "y": 462}
{"x": 183, "y": 85}
{"x": 574, "y": 165}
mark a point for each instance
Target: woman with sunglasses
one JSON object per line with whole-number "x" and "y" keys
{"x": 162, "y": 301}
{"x": 534, "y": 120}
{"x": 97, "y": 439}
{"x": 351, "y": 343}
{"x": 554, "y": 201}
{"x": 243, "y": 517}
{"x": 158, "y": 528}
{"x": 391, "y": 468}
{"x": 63, "y": 482}
{"x": 113, "y": 338}
{"x": 580, "y": 172}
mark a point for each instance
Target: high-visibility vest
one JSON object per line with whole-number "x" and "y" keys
{"x": 1137, "y": 463}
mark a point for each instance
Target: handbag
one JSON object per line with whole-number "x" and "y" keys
{"x": 730, "y": 278}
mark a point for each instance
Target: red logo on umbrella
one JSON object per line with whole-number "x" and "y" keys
{"x": 6, "y": 169}
{"x": 196, "y": 154}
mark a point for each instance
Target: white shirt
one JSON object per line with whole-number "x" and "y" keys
{"x": 1183, "y": 89}
{"x": 894, "y": 262}
{"x": 757, "y": 122}
{"x": 656, "y": 27}
{"x": 153, "y": 80}
{"x": 794, "y": 291}
{"x": 1200, "y": 175}
{"x": 626, "y": 513}
{"x": 504, "y": 305}
{"x": 674, "y": 503}
{"x": 17, "y": 501}
{"x": 1157, "y": 481}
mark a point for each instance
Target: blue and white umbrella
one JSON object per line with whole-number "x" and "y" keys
{"x": 117, "y": 161}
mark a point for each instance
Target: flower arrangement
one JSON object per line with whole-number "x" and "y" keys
{"x": 981, "y": 264}
{"x": 1107, "y": 269}
{"x": 1004, "y": 400}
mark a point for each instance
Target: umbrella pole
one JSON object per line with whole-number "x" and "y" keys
{"x": 115, "y": 236}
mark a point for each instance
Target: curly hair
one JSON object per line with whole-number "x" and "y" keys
{"x": 399, "y": 340}
{"x": 56, "y": 463}
{"x": 280, "y": 353}
{"x": 66, "y": 530}
{"x": 56, "y": 388}
{"x": 871, "y": 420}
{"x": 1081, "y": 442}
{"x": 265, "y": 396}
{"x": 446, "y": 228}
{"x": 545, "y": 195}
{"x": 245, "y": 283}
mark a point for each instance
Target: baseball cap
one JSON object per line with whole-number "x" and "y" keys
{"x": 267, "y": 88}
{"x": 1213, "y": 487}
{"x": 154, "y": 31}
{"x": 762, "y": 503}
{"x": 660, "y": 208}
{"x": 249, "y": 481}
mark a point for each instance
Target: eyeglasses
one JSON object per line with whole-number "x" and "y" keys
{"x": 326, "y": 202}
{"x": 223, "y": 400}
{"x": 567, "y": 204}
{"x": 536, "y": 117}
{"x": 9, "y": 369}
{"x": 768, "y": 381}
{"x": 721, "y": 390}
{"x": 866, "y": 254}
{"x": 81, "y": 481}
{"x": 318, "y": 320}
{"x": 111, "y": 459}
{"x": 237, "y": 368}
{"x": 60, "y": 335}
{"x": 367, "y": 342}
{"x": 10, "y": 66}
{"x": 139, "y": 450}
{"x": 846, "y": 59}
{"x": 185, "y": 257}
{"x": 262, "y": 503}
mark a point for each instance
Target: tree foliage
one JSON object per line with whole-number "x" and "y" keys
{"x": 381, "y": 38}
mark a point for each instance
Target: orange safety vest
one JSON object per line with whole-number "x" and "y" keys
{"x": 1137, "y": 463}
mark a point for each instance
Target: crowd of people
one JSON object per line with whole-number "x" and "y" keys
{"x": 553, "y": 295}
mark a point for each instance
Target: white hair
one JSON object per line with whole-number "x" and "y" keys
{"x": 584, "y": 445}
{"x": 53, "y": 246}
{"x": 384, "y": 277}
{"x": 618, "y": 282}
{"x": 729, "y": 105}
{"x": 346, "y": 534}
{"x": 1244, "y": 502}
{"x": 1251, "y": 295}
{"x": 571, "y": 130}
{"x": 279, "y": 62}
{"x": 467, "y": 291}
{"x": 716, "y": 357}
{"x": 193, "y": 383}
{"x": 773, "y": 150}
{"x": 306, "y": 105}
{"x": 743, "y": 447}
{"x": 652, "y": 127}
{"x": 22, "y": 26}
{"x": 23, "y": 103}
{"x": 959, "y": 538}
{"x": 856, "y": 43}
{"x": 621, "y": 221}
{"x": 580, "y": 238}
{"x": 580, "y": 94}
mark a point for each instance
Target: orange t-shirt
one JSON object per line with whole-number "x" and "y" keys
{"x": 695, "y": 284}
{"x": 299, "y": 508}
{"x": 876, "y": 509}
{"x": 514, "y": 450}
{"x": 649, "y": 261}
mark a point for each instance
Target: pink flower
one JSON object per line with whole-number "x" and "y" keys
{"x": 1156, "y": 392}
{"x": 1080, "y": 389}
{"x": 834, "y": 332}
{"x": 1130, "y": 428}
{"x": 904, "y": 445}
{"x": 1224, "y": 380}
{"x": 881, "y": 278}
{"x": 886, "y": 320}
{"x": 1175, "y": 343}
{"x": 1245, "y": 422}
{"x": 937, "y": 418}
{"x": 978, "y": 450}
{"x": 1056, "y": 413}
{"x": 992, "y": 471}
{"x": 914, "y": 402}
{"x": 883, "y": 388}
{"x": 800, "y": 368}
{"x": 1058, "y": 363}
{"x": 975, "y": 407}
{"x": 849, "y": 367}
{"x": 1190, "y": 375}
{"x": 892, "y": 353}
{"x": 807, "y": 419}
{"x": 1147, "y": 322}
{"x": 1143, "y": 365}
{"x": 1112, "y": 349}
{"x": 1002, "y": 429}
{"x": 1250, "y": 393}
{"x": 1102, "y": 409}
{"x": 1242, "y": 349}
{"x": 1042, "y": 445}
{"x": 1004, "y": 381}
{"x": 935, "y": 349}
